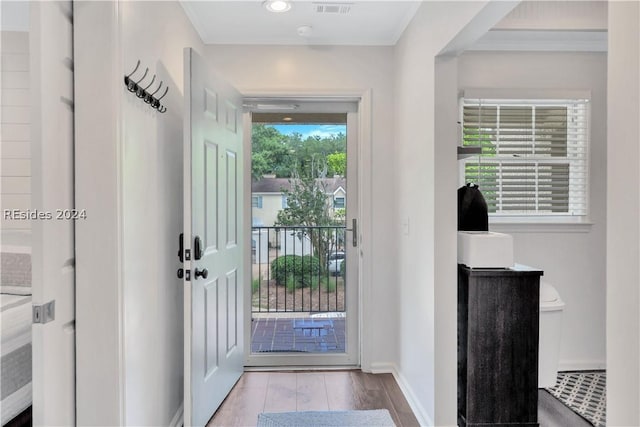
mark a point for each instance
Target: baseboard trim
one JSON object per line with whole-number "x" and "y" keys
{"x": 380, "y": 368}
{"x": 178, "y": 418}
{"x": 418, "y": 410}
{"x": 581, "y": 365}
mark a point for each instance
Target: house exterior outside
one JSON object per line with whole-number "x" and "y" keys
{"x": 268, "y": 198}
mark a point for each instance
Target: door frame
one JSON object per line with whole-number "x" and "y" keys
{"x": 53, "y": 246}
{"x": 363, "y": 99}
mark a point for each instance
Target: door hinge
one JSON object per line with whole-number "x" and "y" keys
{"x": 44, "y": 313}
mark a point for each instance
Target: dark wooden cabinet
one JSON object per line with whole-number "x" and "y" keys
{"x": 498, "y": 321}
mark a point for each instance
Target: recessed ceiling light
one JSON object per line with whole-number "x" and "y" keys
{"x": 287, "y": 119}
{"x": 277, "y": 5}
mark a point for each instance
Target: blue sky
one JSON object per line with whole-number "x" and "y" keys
{"x": 311, "y": 130}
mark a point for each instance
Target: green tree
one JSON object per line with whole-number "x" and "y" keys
{"x": 306, "y": 203}
{"x": 307, "y": 206}
{"x": 271, "y": 153}
{"x": 259, "y": 165}
{"x": 261, "y": 134}
{"x": 337, "y": 163}
{"x": 276, "y": 153}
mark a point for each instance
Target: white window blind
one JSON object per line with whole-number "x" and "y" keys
{"x": 534, "y": 159}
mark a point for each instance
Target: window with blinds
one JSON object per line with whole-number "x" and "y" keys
{"x": 534, "y": 159}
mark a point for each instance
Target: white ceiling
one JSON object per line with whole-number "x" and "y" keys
{"x": 573, "y": 25}
{"x": 532, "y": 25}
{"x": 368, "y": 22}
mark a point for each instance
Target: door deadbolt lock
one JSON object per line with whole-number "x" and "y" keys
{"x": 197, "y": 248}
{"x": 181, "y": 247}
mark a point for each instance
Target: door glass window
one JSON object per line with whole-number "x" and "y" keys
{"x": 298, "y": 281}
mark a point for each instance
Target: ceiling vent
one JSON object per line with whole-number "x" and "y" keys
{"x": 333, "y": 8}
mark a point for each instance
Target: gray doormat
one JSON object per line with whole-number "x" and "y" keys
{"x": 372, "y": 418}
{"x": 585, "y": 393}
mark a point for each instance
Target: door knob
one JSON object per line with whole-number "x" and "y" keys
{"x": 201, "y": 273}
{"x": 180, "y": 273}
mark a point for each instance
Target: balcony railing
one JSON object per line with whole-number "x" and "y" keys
{"x": 298, "y": 269}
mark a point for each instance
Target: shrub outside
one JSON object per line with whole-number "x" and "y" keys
{"x": 303, "y": 271}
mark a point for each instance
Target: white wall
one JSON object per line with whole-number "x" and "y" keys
{"x": 152, "y": 212}
{"x": 573, "y": 258}
{"x": 98, "y": 271}
{"x": 323, "y": 70}
{"x": 15, "y": 153}
{"x": 426, "y": 202}
{"x": 132, "y": 156}
{"x": 623, "y": 223}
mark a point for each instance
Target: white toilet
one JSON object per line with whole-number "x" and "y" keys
{"x": 551, "y": 308}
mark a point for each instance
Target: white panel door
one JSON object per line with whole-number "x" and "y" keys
{"x": 213, "y": 234}
{"x": 52, "y": 163}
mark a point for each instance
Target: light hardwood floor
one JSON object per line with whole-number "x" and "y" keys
{"x": 258, "y": 392}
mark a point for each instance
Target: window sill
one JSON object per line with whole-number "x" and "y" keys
{"x": 508, "y": 225}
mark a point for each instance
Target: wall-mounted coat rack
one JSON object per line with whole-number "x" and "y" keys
{"x": 135, "y": 86}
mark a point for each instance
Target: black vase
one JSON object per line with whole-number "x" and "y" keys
{"x": 472, "y": 209}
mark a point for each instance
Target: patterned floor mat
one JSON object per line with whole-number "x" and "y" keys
{"x": 584, "y": 392}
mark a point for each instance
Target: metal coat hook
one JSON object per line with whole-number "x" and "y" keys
{"x": 133, "y": 87}
{"x": 161, "y": 107}
{"x": 149, "y": 98}
{"x": 156, "y": 101}
{"x": 142, "y": 92}
{"x": 127, "y": 78}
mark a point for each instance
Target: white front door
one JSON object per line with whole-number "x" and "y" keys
{"x": 53, "y": 252}
{"x": 213, "y": 239}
